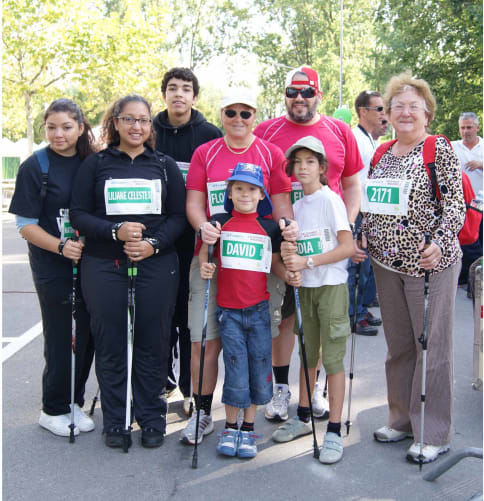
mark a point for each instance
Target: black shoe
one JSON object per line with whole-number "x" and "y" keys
{"x": 151, "y": 438}
{"x": 115, "y": 438}
{"x": 372, "y": 320}
{"x": 364, "y": 329}
{"x": 373, "y": 304}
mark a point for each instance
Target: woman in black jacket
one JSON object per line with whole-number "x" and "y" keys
{"x": 129, "y": 201}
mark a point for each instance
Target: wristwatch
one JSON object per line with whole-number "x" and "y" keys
{"x": 114, "y": 230}
{"x": 154, "y": 242}
{"x": 61, "y": 247}
{"x": 310, "y": 263}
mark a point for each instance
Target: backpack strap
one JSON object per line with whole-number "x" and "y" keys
{"x": 43, "y": 159}
{"x": 381, "y": 150}
{"x": 429, "y": 162}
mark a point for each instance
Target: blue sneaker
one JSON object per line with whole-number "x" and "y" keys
{"x": 247, "y": 446}
{"x": 228, "y": 442}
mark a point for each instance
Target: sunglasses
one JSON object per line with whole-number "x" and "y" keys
{"x": 306, "y": 92}
{"x": 244, "y": 115}
{"x": 376, "y": 108}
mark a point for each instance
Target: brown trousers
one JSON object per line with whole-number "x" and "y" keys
{"x": 401, "y": 300}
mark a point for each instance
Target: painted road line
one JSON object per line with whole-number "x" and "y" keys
{"x": 21, "y": 341}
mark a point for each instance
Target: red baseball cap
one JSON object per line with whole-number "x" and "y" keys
{"x": 311, "y": 79}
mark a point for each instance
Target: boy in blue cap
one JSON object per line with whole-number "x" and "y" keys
{"x": 249, "y": 247}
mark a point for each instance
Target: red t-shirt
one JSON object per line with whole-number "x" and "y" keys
{"x": 241, "y": 288}
{"x": 344, "y": 158}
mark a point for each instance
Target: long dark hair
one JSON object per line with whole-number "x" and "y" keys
{"x": 109, "y": 134}
{"x": 322, "y": 160}
{"x": 86, "y": 142}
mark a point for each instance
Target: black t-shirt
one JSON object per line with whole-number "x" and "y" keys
{"x": 26, "y": 202}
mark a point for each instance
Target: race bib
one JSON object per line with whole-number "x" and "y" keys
{"x": 296, "y": 191}
{"x": 386, "y": 196}
{"x": 216, "y": 197}
{"x": 245, "y": 251}
{"x": 183, "y": 166}
{"x": 132, "y": 196}
{"x": 314, "y": 242}
{"x": 64, "y": 225}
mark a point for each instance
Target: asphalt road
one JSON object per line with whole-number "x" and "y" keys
{"x": 37, "y": 465}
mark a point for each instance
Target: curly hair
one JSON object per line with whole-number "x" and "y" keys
{"x": 183, "y": 74}
{"x": 109, "y": 134}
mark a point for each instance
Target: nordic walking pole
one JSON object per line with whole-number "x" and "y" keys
{"x": 132, "y": 273}
{"x": 305, "y": 361}
{"x": 325, "y": 391}
{"x": 94, "y": 401}
{"x": 423, "y": 339}
{"x": 73, "y": 342}
{"x": 202, "y": 359}
{"x": 348, "y": 422}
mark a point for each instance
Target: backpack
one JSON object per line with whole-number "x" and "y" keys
{"x": 470, "y": 230}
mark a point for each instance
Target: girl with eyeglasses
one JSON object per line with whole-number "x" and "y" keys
{"x": 129, "y": 201}
{"x": 41, "y": 204}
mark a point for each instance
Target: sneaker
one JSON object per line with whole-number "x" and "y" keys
{"x": 292, "y": 429}
{"x": 372, "y": 320}
{"x": 387, "y": 434}
{"x": 188, "y": 406}
{"x": 332, "y": 449}
{"x": 82, "y": 420}
{"x": 151, "y": 438}
{"x": 276, "y": 409}
{"x": 429, "y": 452}
{"x": 365, "y": 329}
{"x": 115, "y": 437}
{"x": 205, "y": 427}
{"x": 58, "y": 425}
{"x": 228, "y": 442}
{"x": 319, "y": 403}
{"x": 247, "y": 447}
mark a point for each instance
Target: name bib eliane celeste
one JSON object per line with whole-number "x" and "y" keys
{"x": 386, "y": 196}
{"x": 296, "y": 191}
{"x": 245, "y": 251}
{"x": 132, "y": 196}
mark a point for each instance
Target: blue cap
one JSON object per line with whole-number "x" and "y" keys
{"x": 252, "y": 174}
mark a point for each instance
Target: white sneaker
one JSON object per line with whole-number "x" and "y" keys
{"x": 82, "y": 420}
{"x": 332, "y": 449}
{"x": 205, "y": 426}
{"x": 187, "y": 405}
{"x": 276, "y": 409}
{"x": 387, "y": 434}
{"x": 429, "y": 452}
{"x": 58, "y": 425}
{"x": 319, "y": 403}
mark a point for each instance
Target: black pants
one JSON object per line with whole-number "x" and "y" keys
{"x": 105, "y": 288}
{"x": 179, "y": 327}
{"x": 56, "y": 308}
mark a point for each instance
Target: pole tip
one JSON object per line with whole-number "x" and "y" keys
{"x": 194, "y": 462}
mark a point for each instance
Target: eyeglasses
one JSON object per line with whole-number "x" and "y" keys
{"x": 412, "y": 108}
{"x": 144, "y": 122}
{"x": 377, "y": 108}
{"x": 244, "y": 115}
{"x": 306, "y": 92}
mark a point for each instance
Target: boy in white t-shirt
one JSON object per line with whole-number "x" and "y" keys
{"x": 324, "y": 243}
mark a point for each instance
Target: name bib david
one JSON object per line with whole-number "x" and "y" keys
{"x": 245, "y": 251}
{"x": 132, "y": 196}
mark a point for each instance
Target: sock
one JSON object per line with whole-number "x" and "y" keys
{"x": 232, "y": 426}
{"x": 334, "y": 427}
{"x": 205, "y": 403}
{"x": 247, "y": 426}
{"x": 281, "y": 374}
{"x": 304, "y": 414}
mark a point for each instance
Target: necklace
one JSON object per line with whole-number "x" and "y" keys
{"x": 252, "y": 139}
{"x": 402, "y": 150}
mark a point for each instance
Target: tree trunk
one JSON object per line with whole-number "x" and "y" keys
{"x": 29, "y": 121}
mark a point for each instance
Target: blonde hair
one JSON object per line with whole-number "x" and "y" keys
{"x": 405, "y": 81}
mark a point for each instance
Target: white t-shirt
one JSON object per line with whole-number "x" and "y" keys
{"x": 466, "y": 155}
{"x": 323, "y": 211}
{"x": 367, "y": 146}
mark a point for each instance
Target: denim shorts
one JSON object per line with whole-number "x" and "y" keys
{"x": 247, "y": 344}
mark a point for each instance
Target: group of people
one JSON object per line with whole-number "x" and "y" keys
{"x": 278, "y": 206}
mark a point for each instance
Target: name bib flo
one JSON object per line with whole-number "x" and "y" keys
{"x": 132, "y": 196}
{"x": 183, "y": 166}
{"x": 64, "y": 225}
{"x": 386, "y": 196}
{"x": 216, "y": 197}
{"x": 296, "y": 191}
{"x": 314, "y": 242}
{"x": 245, "y": 251}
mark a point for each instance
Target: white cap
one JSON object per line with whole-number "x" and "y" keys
{"x": 239, "y": 96}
